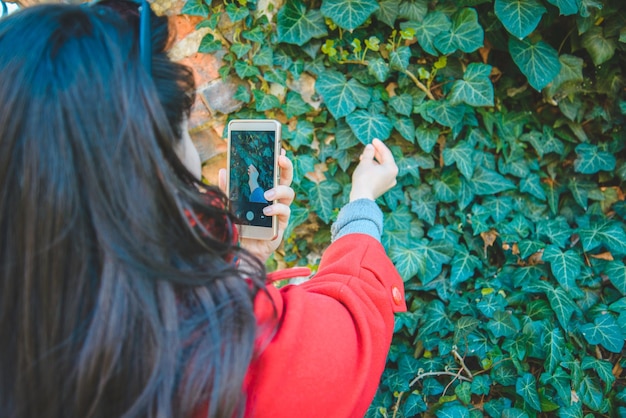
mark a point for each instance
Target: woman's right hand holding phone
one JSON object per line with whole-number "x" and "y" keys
{"x": 375, "y": 174}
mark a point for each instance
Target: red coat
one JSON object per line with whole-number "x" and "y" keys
{"x": 334, "y": 332}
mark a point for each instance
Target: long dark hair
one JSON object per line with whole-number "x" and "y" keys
{"x": 111, "y": 304}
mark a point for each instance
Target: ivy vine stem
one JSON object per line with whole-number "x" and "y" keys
{"x": 423, "y": 375}
{"x": 419, "y": 84}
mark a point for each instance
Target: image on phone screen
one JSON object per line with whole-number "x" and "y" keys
{"x": 251, "y": 174}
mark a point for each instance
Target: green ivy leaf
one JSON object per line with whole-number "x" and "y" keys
{"x": 481, "y": 385}
{"x": 302, "y": 134}
{"x": 302, "y": 164}
{"x": 466, "y": 34}
{"x": 196, "y": 8}
{"x": 240, "y": 50}
{"x": 463, "y": 392}
{"x": 413, "y": 9}
{"x": 297, "y": 217}
{"x": 209, "y": 44}
{"x": 503, "y": 324}
{"x": 423, "y": 203}
{"x": 408, "y": 262}
{"x": 379, "y": 68}
{"x": 403, "y": 104}
{"x": 566, "y": 7}
{"x": 427, "y": 138}
{"x": 367, "y": 126}
{"x": 406, "y": 128}
{"x": 553, "y": 344}
{"x": 603, "y": 368}
{"x": 296, "y": 25}
{"x": 453, "y": 411}
{"x": 611, "y": 234}
{"x": 566, "y": 266}
{"x": 604, "y": 331}
{"x": 599, "y": 48}
{"x": 475, "y": 89}
{"x": 519, "y": 17}
{"x": 590, "y": 160}
{"x": 590, "y": 393}
{"x": 463, "y": 155}
{"x": 538, "y": 62}
{"x": 236, "y": 13}
{"x": 321, "y": 197}
{"x": 444, "y": 113}
{"x": 349, "y": 14}
{"x": 414, "y": 405}
{"x": 616, "y": 271}
{"x": 463, "y": 266}
{"x": 514, "y": 413}
{"x": 434, "y": 253}
{"x": 264, "y": 56}
{"x": 265, "y": 101}
{"x": 526, "y": 387}
{"x": 294, "y": 105}
{"x": 428, "y": 30}
{"x": 245, "y": 70}
{"x": 563, "y": 306}
{"x": 532, "y": 186}
{"x": 242, "y": 94}
{"x": 399, "y": 58}
{"x": 388, "y": 11}
{"x": 498, "y": 207}
{"x": 488, "y": 182}
{"x": 341, "y": 96}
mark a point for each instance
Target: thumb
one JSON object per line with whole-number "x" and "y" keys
{"x": 368, "y": 153}
{"x": 221, "y": 179}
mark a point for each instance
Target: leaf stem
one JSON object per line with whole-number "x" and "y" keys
{"x": 419, "y": 84}
{"x": 458, "y": 357}
{"x": 423, "y": 375}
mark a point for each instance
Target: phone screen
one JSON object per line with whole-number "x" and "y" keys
{"x": 251, "y": 174}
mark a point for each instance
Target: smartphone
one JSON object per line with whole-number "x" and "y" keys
{"x": 253, "y": 151}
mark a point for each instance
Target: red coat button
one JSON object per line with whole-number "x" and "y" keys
{"x": 396, "y": 295}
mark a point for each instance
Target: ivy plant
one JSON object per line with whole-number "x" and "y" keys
{"x": 506, "y": 118}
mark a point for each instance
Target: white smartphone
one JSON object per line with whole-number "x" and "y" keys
{"x": 253, "y": 151}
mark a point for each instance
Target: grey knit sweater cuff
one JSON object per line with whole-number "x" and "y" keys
{"x": 362, "y": 216}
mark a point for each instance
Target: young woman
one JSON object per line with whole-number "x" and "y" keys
{"x": 112, "y": 303}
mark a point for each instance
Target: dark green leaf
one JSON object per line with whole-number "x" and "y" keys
{"x": 539, "y": 62}
{"x": 403, "y": 104}
{"x": 265, "y": 101}
{"x": 240, "y": 50}
{"x": 590, "y": 393}
{"x": 245, "y": 70}
{"x": 379, "y": 68}
{"x": 481, "y": 385}
{"x": 399, "y": 58}
{"x": 591, "y": 160}
{"x": 444, "y": 113}
{"x": 553, "y": 344}
{"x": 566, "y": 7}
{"x": 503, "y": 324}
{"x": 565, "y": 266}
{"x": 367, "y": 126}
{"x": 302, "y": 135}
{"x": 461, "y": 154}
{"x": 616, "y": 271}
{"x": 603, "y": 368}
{"x": 414, "y": 405}
{"x": 466, "y": 33}
{"x": 295, "y": 106}
{"x": 463, "y": 266}
{"x": 236, "y": 13}
{"x": 349, "y": 14}
{"x": 563, "y": 306}
{"x": 297, "y": 26}
{"x": 209, "y": 44}
{"x": 532, "y": 185}
{"x": 427, "y": 138}
{"x": 599, "y": 48}
{"x": 413, "y": 9}
{"x": 341, "y": 96}
{"x": 519, "y": 17}
{"x": 321, "y": 198}
{"x": 264, "y": 56}
{"x": 475, "y": 89}
{"x": 388, "y": 11}
{"x": 604, "y": 331}
{"x": 526, "y": 387}
{"x": 407, "y": 260}
{"x": 453, "y": 411}
{"x": 406, "y": 128}
{"x": 488, "y": 182}
{"x": 423, "y": 203}
{"x": 514, "y": 413}
{"x": 429, "y": 29}
{"x": 196, "y": 8}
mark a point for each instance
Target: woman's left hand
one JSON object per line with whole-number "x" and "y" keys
{"x": 282, "y": 195}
